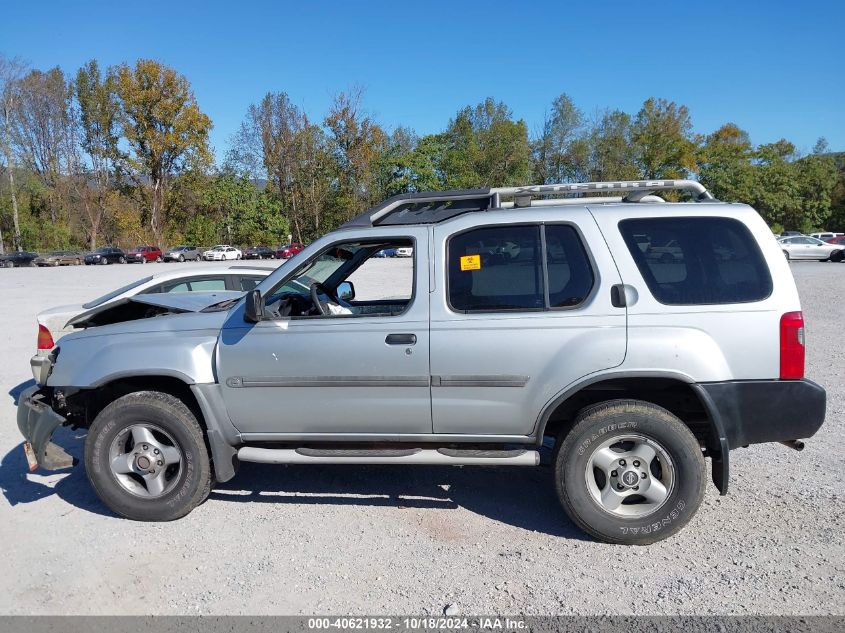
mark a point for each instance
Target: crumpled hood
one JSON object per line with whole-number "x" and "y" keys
{"x": 150, "y": 305}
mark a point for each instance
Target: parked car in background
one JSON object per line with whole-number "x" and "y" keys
{"x": 144, "y": 254}
{"x": 259, "y": 252}
{"x": 18, "y": 259}
{"x": 404, "y": 251}
{"x": 221, "y": 252}
{"x": 289, "y": 250}
{"x": 824, "y": 236}
{"x": 60, "y": 258}
{"x": 52, "y": 323}
{"x": 182, "y": 254}
{"x": 106, "y": 255}
{"x": 791, "y": 233}
{"x": 386, "y": 252}
{"x": 837, "y": 240}
{"x": 806, "y": 247}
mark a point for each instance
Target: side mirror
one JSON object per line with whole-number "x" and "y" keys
{"x": 254, "y": 307}
{"x": 346, "y": 291}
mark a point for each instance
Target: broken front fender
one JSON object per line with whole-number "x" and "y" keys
{"x": 37, "y": 421}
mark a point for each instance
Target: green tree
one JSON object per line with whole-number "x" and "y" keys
{"x": 610, "y": 150}
{"x": 486, "y": 148}
{"x": 98, "y": 122}
{"x": 663, "y": 141}
{"x": 776, "y": 190}
{"x": 355, "y": 142}
{"x": 724, "y": 164}
{"x": 41, "y": 129}
{"x": 818, "y": 177}
{"x": 560, "y": 151}
{"x": 164, "y": 129}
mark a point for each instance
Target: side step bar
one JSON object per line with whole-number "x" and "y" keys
{"x": 415, "y": 456}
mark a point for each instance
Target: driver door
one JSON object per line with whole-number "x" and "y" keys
{"x": 321, "y": 376}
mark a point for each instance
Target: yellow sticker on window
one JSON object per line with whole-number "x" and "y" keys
{"x": 471, "y": 262}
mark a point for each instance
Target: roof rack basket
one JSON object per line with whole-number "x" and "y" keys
{"x": 429, "y": 207}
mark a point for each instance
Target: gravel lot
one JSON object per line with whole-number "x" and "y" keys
{"x": 334, "y": 539}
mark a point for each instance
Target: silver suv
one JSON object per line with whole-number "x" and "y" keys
{"x": 635, "y": 337}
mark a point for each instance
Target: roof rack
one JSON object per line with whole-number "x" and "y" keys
{"x": 431, "y": 207}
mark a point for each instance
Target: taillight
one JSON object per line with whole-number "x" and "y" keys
{"x": 792, "y": 346}
{"x": 45, "y": 339}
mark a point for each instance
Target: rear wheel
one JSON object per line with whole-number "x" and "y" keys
{"x": 122, "y": 260}
{"x": 629, "y": 472}
{"x": 146, "y": 458}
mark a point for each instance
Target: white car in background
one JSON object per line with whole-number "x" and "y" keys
{"x": 53, "y": 323}
{"x": 222, "y": 252}
{"x": 806, "y": 247}
{"x": 826, "y": 235}
{"x": 405, "y": 251}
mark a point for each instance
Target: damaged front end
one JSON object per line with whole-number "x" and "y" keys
{"x": 37, "y": 420}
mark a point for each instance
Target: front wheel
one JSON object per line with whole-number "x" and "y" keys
{"x": 786, "y": 254}
{"x": 837, "y": 256}
{"x": 146, "y": 458}
{"x": 629, "y": 472}
{"x": 104, "y": 261}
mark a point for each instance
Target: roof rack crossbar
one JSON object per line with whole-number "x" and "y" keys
{"x": 637, "y": 189}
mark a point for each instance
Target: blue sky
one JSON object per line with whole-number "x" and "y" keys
{"x": 775, "y": 68}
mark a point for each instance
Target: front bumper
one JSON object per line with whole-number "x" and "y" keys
{"x": 758, "y": 411}
{"x": 37, "y": 422}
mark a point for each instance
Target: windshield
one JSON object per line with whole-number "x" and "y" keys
{"x": 104, "y": 249}
{"x": 114, "y": 293}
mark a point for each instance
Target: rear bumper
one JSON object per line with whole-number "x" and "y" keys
{"x": 758, "y": 411}
{"x": 37, "y": 422}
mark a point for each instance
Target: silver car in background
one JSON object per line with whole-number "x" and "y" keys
{"x": 806, "y": 247}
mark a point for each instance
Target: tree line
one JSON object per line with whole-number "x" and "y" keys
{"x": 121, "y": 156}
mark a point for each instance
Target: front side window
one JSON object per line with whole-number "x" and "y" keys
{"x": 326, "y": 285}
{"x": 698, "y": 261}
{"x": 502, "y": 268}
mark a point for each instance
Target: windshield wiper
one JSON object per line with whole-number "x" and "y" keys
{"x": 221, "y": 305}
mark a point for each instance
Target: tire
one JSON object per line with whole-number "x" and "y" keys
{"x": 143, "y": 260}
{"x": 786, "y": 254}
{"x": 77, "y": 262}
{"x": 182, "y": 259}
{"x": 104, "y": 261}
{"x": 678, "y": 466}
{"x": 837, "y": 256}
{"x": 173, "y": 429}
{"x": 122, "y": 260}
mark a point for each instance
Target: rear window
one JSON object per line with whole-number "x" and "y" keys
{"x": 698, "y": 261}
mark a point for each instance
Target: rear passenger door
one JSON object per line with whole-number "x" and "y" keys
{"x": 520, "y": 311}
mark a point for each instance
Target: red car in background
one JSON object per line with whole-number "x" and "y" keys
{"x": 284, "y": 252}
{"x": 144, "y": 254}
{"x": 837, "y": 240}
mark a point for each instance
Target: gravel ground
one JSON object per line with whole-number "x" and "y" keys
{"x": 363, "y": 540}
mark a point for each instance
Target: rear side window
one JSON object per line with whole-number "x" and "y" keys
{"x": 504, "y": 268}
{"x": 698, "y": 261}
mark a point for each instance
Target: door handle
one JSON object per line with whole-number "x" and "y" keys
{"x": 401, "y": 339}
